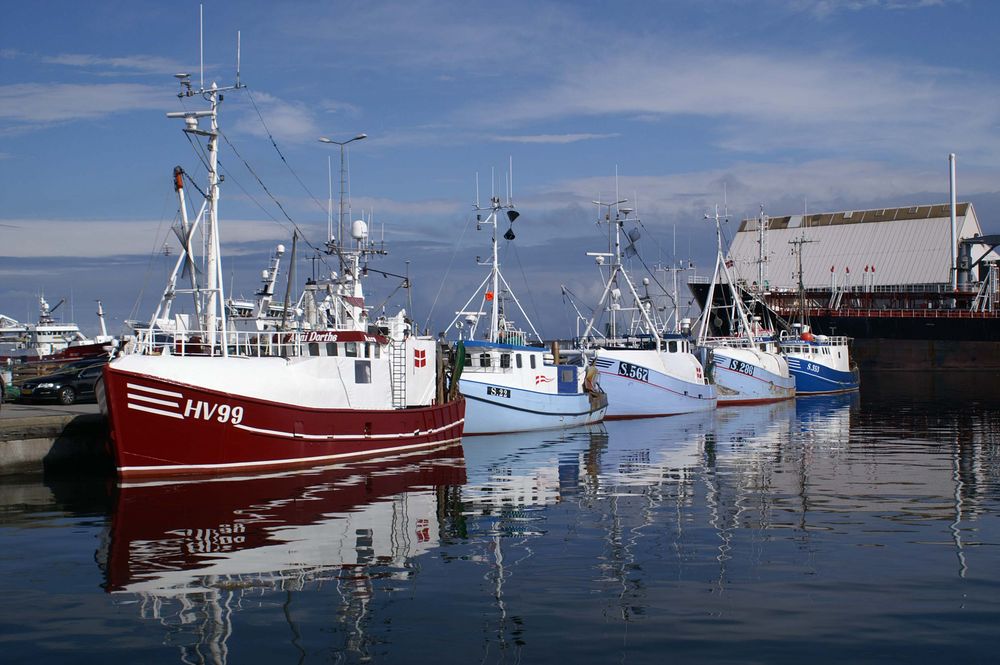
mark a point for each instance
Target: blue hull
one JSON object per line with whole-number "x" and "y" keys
{"x": 812, "y": 378}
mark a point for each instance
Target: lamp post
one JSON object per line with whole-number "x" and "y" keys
{"x": 340, "y": 219}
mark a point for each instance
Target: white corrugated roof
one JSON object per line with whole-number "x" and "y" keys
{"x": 904, "y": 245}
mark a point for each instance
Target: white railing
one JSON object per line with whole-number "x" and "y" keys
{"x": 821, "y": 340}
{"x": 730, "y": 342}
{"x": 156, "y": 341}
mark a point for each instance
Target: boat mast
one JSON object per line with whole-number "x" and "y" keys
{"x": 214, "y": 314}
{"x": 494, "y": 282}
{"x": 495, "y": 275}
{"x": 762, "y": 227}
{"x": 722, "y": 269}
{"x": 616, "y": 269}
{"x": 798, "y": 243}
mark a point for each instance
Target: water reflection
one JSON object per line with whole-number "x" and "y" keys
{"x": 195, "y": 552}
{"x": 845, "y": 518}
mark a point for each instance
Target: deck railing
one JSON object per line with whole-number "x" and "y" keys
{"x": 156, "y": 341}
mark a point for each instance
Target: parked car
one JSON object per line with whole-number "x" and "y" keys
{"x": 65, "y": 387}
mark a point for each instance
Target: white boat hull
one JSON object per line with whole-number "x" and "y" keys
{"x": 740, "y": 380}
{"x": 649, "y": 392}
{"x": 496, "y": 410}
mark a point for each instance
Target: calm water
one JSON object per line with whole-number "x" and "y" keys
{"x": 858, "y": 528}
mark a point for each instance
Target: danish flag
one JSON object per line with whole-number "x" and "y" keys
{"x": 540, "y": 378}
{"x": 419, "y": 358}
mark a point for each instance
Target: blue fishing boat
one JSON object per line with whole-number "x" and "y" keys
{"x": 819, "y": 363}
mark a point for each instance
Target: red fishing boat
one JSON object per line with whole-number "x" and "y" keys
{"x": 193, "y": 394}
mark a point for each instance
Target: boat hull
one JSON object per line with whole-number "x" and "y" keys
{"x": 812, "y": 378}
{"x": 741, "y": 383}
{"x": 519, "y": 410}
{"x": 162, "y": 427}
{"x": 658, "y": 394}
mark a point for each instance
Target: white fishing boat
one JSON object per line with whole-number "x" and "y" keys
{"x": 747, "y": 366}
{"x": 508, "y": 385}
{"x": 194, "y": 396}
{"x": 49, "y": 339}
{"x": 644, "y": 371}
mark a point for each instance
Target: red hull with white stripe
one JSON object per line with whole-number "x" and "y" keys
{"x": 161, "y": 428}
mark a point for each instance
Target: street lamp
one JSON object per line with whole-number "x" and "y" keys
{"x": 340, "y": 220}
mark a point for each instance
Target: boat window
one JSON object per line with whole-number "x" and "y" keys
{"x": 468, "y": 360}
{"x": 484, "y": 360}
{"x": 368, "y": 350}
{"x": 518, "y": 359}
{"x": 672, "y": 347}
{"x": 331, "y": 348}
{"x": 378, "y": 350}
{"x": 532, "y": 358}
{"x": 313, "y": 348}
{"x": 567, "y": 375}
{"x": 351, "y": 349}
{"x": 504, "y": 360}
{"x": 362, "y": 371}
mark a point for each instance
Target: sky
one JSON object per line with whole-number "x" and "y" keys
{"x": 796, "y": 105}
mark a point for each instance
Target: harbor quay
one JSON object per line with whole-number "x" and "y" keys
{"x": 52, "y": 438}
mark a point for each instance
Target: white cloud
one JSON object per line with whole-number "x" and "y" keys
{"x": 293, "y": 122}
{"x": 551, "y": 138}
{"x": 36, "y": 104}
{"x": 383, "y": 207}
{"x": 826, "y": 7}
{"x": 103, "y": 238}
{"x": 141, "y": 64}
{"x": 783, "y": 188}
{"x": 759, "y": 102}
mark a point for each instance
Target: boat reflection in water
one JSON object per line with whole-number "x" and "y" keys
{"x": 194, "y": 551}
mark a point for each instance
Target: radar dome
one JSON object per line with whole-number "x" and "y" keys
{"x": 359, "y": 229}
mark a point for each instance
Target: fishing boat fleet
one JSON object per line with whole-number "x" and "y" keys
{"x": 229, "y": 386}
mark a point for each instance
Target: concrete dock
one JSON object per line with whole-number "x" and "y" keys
{"x": 43, "y": 437}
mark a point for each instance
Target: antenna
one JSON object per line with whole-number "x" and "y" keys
{"x": 201, "y": 42}
{"x": 477, "y": 189}
{"x": 329, "y": 202}
{"x": 237, "y": 58}
{"x": 510, "y": 180}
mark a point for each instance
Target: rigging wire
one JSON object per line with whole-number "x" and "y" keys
{"x": 278, "y": 150}
{"x": 268, "y": 192}
{"x": 531, "y": 295}
{"x": 134, "y": 312}
{"x": 444, "y": 279}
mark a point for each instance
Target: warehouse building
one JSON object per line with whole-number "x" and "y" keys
{"x": 908, "y": 246}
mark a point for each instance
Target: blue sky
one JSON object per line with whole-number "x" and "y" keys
{"x": 791, "y": 103}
